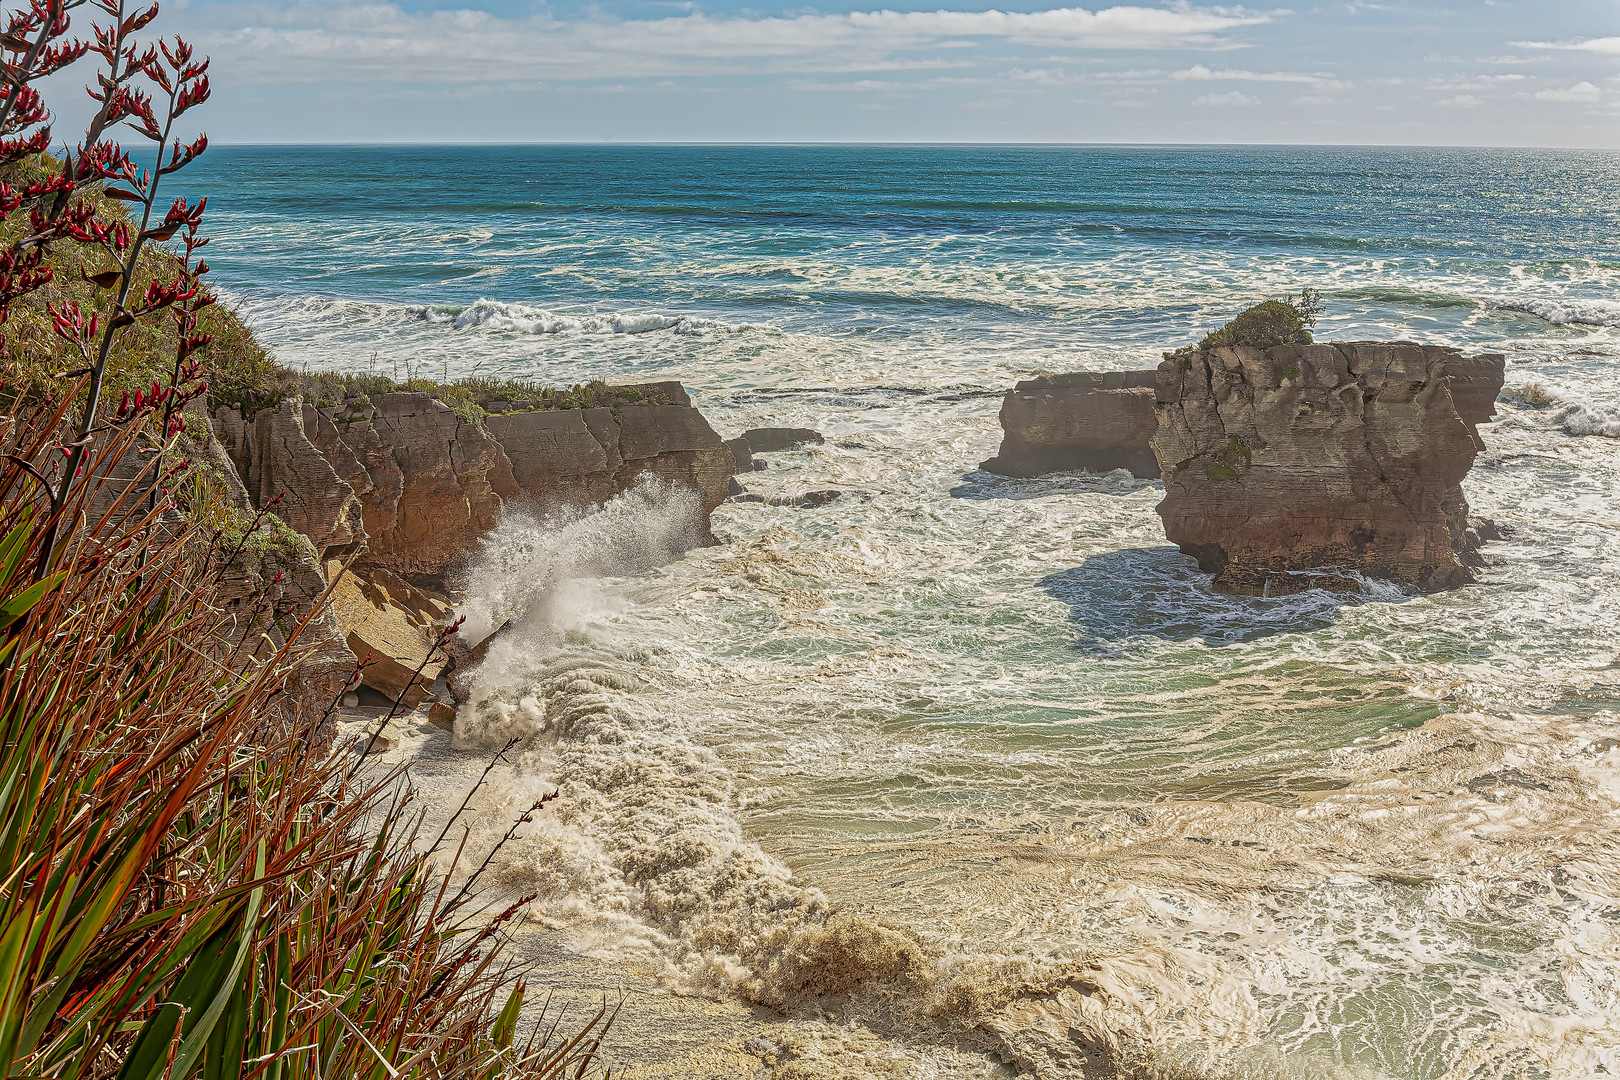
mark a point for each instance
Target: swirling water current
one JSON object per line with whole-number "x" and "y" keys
{"x": 960, "y": 775}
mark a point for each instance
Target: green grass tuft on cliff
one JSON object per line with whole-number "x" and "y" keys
{"x": 235, "y": 365}
{"x": 471, "y": 398}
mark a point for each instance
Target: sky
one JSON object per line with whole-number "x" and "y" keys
{"x": 1485, "y": 73}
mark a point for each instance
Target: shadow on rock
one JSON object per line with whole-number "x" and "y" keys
{"x": 1120, "y": 596}
{"x": 979, "y": 484}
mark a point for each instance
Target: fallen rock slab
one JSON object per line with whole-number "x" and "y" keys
{"x": 398, "y": 639}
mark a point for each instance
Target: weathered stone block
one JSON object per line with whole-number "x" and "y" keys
{"x": 1287, "y": 468}
{"x": 1099, "y": 421}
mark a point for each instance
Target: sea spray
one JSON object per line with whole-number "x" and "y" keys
{"x": 539, "y": 571}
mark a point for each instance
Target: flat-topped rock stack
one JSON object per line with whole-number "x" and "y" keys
{"x": 1287, "y": 468}
{"x": 1098, "y": 421}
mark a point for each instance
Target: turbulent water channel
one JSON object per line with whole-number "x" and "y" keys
{"x": 964, "y": 776}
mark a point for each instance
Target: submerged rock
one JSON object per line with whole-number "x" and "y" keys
{"x": 768, "y": 440}
{"x": 1098, "y": 421}
{"x": 1300, "y": 467}
{"x": 807, "y": 500}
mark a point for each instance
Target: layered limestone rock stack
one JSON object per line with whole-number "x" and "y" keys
{"x": 582, "y": 457}
{"x": 1287, "y": 467}
{"x": 402, "y": 478}
{"x": 1099, "y": 421}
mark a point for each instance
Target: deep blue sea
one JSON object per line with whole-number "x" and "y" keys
{"x": 1375, "y": 836}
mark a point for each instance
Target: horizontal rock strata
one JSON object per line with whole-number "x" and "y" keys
{"x": 1099, "y": 421}
{"x": 1286, "y": 468}
{"x": 581, "y": 457}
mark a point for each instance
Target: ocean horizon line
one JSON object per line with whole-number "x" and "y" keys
{"x": 903, "y": 144}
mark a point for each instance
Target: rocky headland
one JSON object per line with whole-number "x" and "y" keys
{"x": 380, "y": 500}
{"x": 1099, "y": 421}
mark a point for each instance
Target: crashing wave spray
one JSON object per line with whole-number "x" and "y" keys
{"x": 525, "y": 568}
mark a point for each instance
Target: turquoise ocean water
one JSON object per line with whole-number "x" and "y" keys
{"x": 1374, "y": 835}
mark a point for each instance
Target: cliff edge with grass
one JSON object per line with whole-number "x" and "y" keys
{"x": 391, "y": 486}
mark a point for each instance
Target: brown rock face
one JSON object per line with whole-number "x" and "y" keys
{"x": 1099, "y": 421}
{"x": 431, "y": 495}
{"x": 403, "y": 476}
{"x": 585, "y": 456}
{"x": 395, "y": 624}
{"x": 1285, "y": 468}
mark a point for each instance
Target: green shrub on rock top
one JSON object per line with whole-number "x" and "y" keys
{"x": 1267, "y": 324}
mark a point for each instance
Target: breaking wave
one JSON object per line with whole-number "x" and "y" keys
{"x": 1572, "y": 415}
{"x": 542, "y": 571}
{"x": 1567, "y": 312}
{"x": 522, "y": 319}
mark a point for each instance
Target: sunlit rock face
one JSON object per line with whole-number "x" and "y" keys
{"x": 1302, "y": 467}
{"x": 583, "y": 457}
{"x": 1098, "y": 421}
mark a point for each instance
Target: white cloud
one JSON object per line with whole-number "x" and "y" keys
{"x": 1582, "y": 92}
{"x": 361, "y": 41}
{"x": 1474, "y": 82}
{"x": 1462, "y": 101}
{"x": 1607, "y": 45}
{"x": 1202, "y": 73}
{"x": 1231, "y": 97}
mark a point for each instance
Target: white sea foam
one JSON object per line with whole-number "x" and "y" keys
{"x": 1569, "y": 310}
{"x": 495, "y": 315}
{"x": 539, "y": 570}
{"x": 1568, "y": 411}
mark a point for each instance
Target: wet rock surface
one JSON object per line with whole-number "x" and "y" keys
{"x": 769, "y": 440}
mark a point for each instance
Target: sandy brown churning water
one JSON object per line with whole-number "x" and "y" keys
{"x": 965, "y": 777}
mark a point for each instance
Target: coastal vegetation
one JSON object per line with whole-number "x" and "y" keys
{"x": 1263, "y": 326}
{"x": 473, "y": 398}
{"x": 194, "y": 880}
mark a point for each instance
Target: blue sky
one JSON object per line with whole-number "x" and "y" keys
{"x": 1483, "y": 73}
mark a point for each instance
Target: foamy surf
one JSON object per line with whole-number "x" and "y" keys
{"x": 1567, "y": 410}
{"x": 494, "y": 315}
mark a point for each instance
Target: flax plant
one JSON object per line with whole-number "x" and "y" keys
{"x": 190, "y": 885}
{"x": 193, "y": 881}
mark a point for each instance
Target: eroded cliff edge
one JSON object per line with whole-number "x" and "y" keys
{"x": 401, "y": 486}
{"x": 1288, "y": 468}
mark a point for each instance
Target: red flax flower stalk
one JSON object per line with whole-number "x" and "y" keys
{"x": 192, "y": 883}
